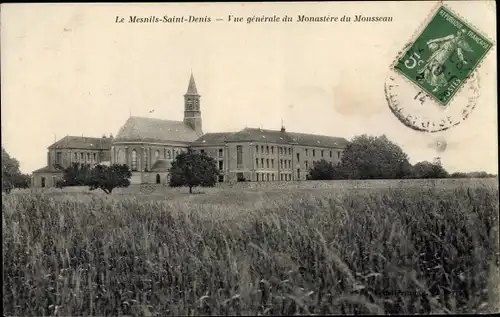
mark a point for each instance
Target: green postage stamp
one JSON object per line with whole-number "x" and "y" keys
{"x": 443, "y": 56}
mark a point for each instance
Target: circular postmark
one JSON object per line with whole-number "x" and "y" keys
{"x": 419, "y": 111}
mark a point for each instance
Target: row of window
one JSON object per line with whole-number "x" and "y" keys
{"x": 267, "y": 148}
{"x": 78, "y": 157}
{"x": 322, "y": 153}
{"x": 283, "y": 163}
{"x": 288, "y": 151}
{"x": 271, "y": 177}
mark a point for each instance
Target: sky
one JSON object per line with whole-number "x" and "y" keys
{"x": 69, "y": 69}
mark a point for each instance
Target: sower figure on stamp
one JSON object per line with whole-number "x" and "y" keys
{"x": 443, "y": 48}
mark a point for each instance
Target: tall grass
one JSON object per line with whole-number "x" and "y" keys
{"x": 383, "y": 251}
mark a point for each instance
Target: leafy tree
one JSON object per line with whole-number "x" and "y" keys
{"x": 22, "y": 181}
{"x": 11, "y": 174}
{"x": 108, "y": 178}
{"x": 76, "y": 174}
{"x": 323, "y": 170}
{"x": 472, "y": 175}
{"x": 193, "y": 169}
{"x": 427, "y": 169}
{"x": 370, "y": 157}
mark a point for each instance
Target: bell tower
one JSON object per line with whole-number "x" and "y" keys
{"x": 192, "y": 112}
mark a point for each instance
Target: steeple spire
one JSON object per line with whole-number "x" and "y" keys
{"x": 192, "y": 86}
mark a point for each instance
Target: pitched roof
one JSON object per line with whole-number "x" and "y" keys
{"x": 55, "y": 168}
{"x": 161, "y": 166}
{"x": 192, "y": 86}
{"x": 218, "y": 138}
{"x": 271, "y": 136}
{"x": 82, "y": 142}
{"x": 317, "y": 140}
{"x": 155, "y": 130}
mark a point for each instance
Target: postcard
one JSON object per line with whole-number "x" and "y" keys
{"x": 250, "y": 158}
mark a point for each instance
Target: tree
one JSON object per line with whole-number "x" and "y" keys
{"x": 369, "y": 157}
{"x": 323, "y": 170}
{"x": 76, "y": 174}
{"x": 108, "y": 178}
{"x": 193, "y": 169}
{"x": 427, "y": 169}
{"x": 11, "y": 174}
{"x": 22, "y": 181}
{"x": 472, "y": 175}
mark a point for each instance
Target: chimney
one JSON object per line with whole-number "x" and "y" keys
{"x": 282, "y": 126}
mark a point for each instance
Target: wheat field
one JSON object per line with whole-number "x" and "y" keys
{"x": 341, "y": 247}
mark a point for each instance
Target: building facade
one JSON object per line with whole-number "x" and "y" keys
{"x": 68, "y": 150}
{"x": 148, "y": 146}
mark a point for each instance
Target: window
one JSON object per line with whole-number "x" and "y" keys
{"x": 146, "y": 165}
{"x": 289, "y": 151}
{"x": 307, "y": 164}
{"x": 298, "y": 173}
{"x": 290, "y": 163}
{"x": 81, "y": 157}
{"x": 281, "y": 163}
{"x": 281, "y": 177}
{"x": 267, "y": 149}
{"x": 262, "y": 149}
{"x": 157, "y": 155}
{"x": 158, "y": 179}
{"x": 88, "y": 157}
{"x": 330, "y": 153}
{"x": 221, "y": 152}
{"x": 272, "y": 175}
{"x": 221, "y": 178}
{"x": 338, "y": 155}
{"x": 272, "y": 163}
{"x": 267, "y": 177}
{"x": 256, "y": 162}
{"x": 307, "y": 152}
{"x": 262, "y": 162}
{"x": 169, "y": 154}
{"x": 134, "y": 160}
{"x": 272, "y": 149}
{"x": 257, "y": 149}
{"x": 267, "y": 163}
{"x": 43, "y": 182}
{"x": 221, "y": 165}
{"x": 95, "y": 157}
{"x": 58, "y": 157}
{"x": 257, "y": 175}
{"x": 322, "y": 153}
{"x": 298, "y": 157}
{"x": 76, "y": 156}
{"x": 281, "y": 150}
{"x": 239, "y": 155}
{"x": 314, "y": 153}
{"x": 285, "y": 163}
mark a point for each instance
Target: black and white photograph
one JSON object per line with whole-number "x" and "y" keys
{"x": 249, "y": 158}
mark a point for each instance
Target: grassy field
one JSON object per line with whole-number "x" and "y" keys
{"x": 269, "y": 249}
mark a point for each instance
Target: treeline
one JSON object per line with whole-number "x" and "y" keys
{"x": 370, "y": 157}
{"x": 101, "y": 177}
{"x": 11, "y": 174}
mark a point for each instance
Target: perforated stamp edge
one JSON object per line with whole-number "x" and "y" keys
{"x": 434, "y": 11}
